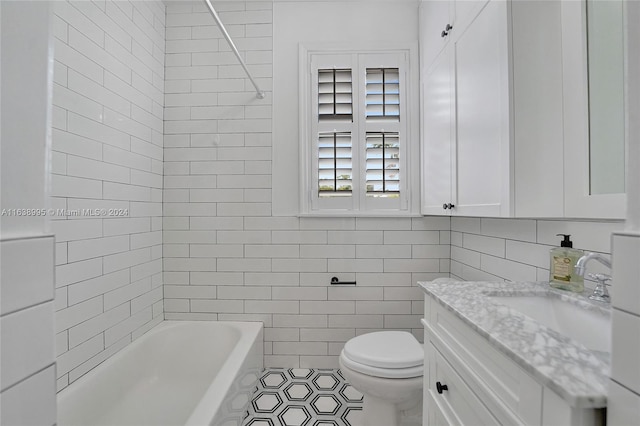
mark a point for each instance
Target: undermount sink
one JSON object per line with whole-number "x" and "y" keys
{"x": 591, "y": 327}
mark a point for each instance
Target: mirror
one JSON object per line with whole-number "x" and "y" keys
{"x": 605, "y": 50}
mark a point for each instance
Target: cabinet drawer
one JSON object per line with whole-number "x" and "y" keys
{"x": 458, "y": 404}
{"x": 511, "y": 394}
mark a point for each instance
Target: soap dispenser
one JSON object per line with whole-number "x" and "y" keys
{"x": 562, "y": 273}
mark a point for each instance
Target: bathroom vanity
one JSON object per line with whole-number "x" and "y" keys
{"x": 488, "y": 363}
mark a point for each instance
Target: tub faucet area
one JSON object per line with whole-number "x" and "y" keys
{"x": 600, "y": 293}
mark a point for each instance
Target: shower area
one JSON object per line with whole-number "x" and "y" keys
{"x": 140, "y": 125}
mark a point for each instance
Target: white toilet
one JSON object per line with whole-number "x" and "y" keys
{"x": 387, "y": 367}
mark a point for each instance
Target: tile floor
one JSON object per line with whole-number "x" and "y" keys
{"x": 304, "y": 397}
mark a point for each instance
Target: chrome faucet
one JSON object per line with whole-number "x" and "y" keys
{"x": 600, "y": 293}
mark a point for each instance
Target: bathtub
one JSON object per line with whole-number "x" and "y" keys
{"x": 179, "y": 373}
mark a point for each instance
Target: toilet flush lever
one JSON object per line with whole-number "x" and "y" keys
{"x": 441, "y": 388}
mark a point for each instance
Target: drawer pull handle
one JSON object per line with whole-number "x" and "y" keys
{"x": 441, "y": 388}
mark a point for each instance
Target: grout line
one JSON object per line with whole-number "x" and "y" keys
{"x": 27, "y": 237}
{"x": 6, "y": 314}
{"x": 28, "y": 377}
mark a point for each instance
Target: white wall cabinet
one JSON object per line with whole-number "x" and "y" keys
{"x": 438, "y": 151}
{"x": 492, "y": 129}
{"x": 579, "y": 200}
{"x": 469, "y": 382}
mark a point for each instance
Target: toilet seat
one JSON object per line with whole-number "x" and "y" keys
{"x": 385, "y": 373}
{"x": 386, "y": 354}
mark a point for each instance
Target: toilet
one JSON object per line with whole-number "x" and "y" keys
{"x": 387, "y": 368}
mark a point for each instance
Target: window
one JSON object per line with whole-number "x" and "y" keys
{"x": 356, "y": 133}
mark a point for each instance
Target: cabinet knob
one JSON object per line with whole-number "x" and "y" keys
{"x": 448, "y": 206}
{"x": 441, "y": 388}
{"x": 446, "y": 30}
{"x": 451, "y": 205}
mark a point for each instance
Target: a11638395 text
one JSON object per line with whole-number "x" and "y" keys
{"x": 104, "y": 212}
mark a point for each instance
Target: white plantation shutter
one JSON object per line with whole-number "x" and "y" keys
{"x": 335, "y": 170}
{"x": 358, "y": 133}
{"x": 384, "y": 139}
{"x": 333, "y": 133}
{"x": 383, "y": 94}
{"x": 382, "y": 164}
{"x": 335, "y": 95}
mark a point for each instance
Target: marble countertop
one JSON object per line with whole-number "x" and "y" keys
{"x": 579, "y": 375}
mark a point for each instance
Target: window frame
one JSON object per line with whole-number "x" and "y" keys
{"x": 358, "y": 58}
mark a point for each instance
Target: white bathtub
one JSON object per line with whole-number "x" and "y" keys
{"x": 179, "y": 373}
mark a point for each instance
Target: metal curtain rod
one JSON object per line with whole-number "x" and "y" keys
{"x": 259, "y": 93}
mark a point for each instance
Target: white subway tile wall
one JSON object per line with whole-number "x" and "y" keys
{"x": 108, "y": 99}
{"x": 625, "y": 369}
{"x": 27, "y": 343}
{"x": 26, "y": 331}
{"x": 226, "y": 257}
{"x": 518, "y": 249}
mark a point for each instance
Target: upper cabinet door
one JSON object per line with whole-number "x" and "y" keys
{"x": 537, "y": 98}
{"x": 437, "y": 127}
{"x": 483, "y": 111}
{"x": 466, "y": 135}
{"x": 584, "y": 181}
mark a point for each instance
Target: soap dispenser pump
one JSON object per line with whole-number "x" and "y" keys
{"x": 562, "y": 273}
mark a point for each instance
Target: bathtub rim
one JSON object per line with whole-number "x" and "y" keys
{"x": 205, "y": 410}
{"x": 211, "y": 401}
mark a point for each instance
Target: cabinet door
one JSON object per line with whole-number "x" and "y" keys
{"x": 579, "y": 200}
{"x": 437, "y": 135}
{"x": 457, "y": 402}
{"x": 434, "y": 17}
{"x": 538, "y": 117}
{"x": 483, "y": 162}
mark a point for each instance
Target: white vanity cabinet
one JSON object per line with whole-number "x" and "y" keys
{"x": 467, "y": 381}
{"x": 492, "y": 134}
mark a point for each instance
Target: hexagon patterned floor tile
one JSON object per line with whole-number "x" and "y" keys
{"x": 304, "y": 397}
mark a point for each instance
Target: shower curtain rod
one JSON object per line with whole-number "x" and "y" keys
{"x": 259, "y": 93}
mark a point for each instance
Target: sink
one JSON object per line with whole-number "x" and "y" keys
{"x": 588, "y": 325}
